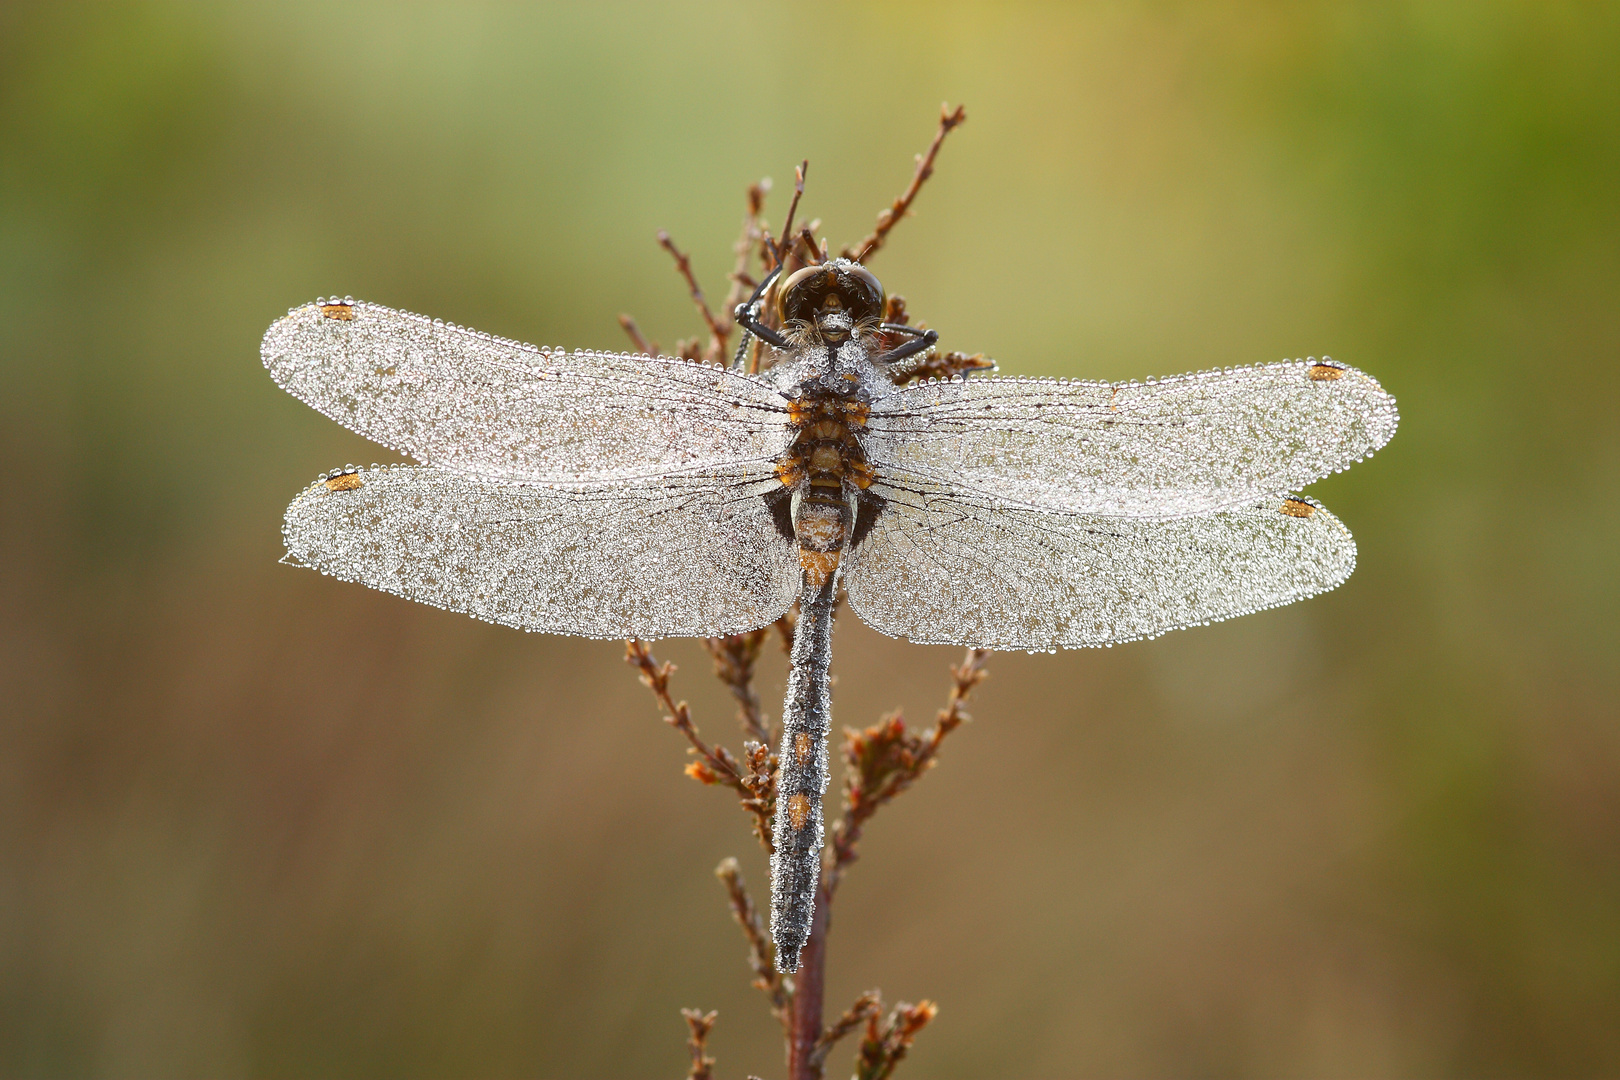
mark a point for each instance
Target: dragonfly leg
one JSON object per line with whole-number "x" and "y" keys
{"x": 901, "y": 328}
{"x": 925, "y": 340}
{"x": 749, "y": 321}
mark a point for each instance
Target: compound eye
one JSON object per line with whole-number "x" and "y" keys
{"x": 799, "y": 297}
{"x": 863, "y": 293}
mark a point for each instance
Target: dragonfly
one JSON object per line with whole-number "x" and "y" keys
{"x": 615, "y": 495}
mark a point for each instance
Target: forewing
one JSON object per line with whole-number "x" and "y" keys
{"x": 670, "y": 558}
{"x": 944, "y": 567}
{"x": 494, "y": 408}
{"x": 1166, "y": 448}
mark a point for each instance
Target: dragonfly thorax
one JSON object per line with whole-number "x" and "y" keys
{"x": 825, "y": 468}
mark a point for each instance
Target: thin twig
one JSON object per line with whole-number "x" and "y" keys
{"x": 868, "y": 1006}
{"x": 884, "y": 1048}
{"x": 734, "y": 659}
{"x": 699, "y": 1024}
{"x": 883, "y": 761}
{"x": 888, "y": 219}
{"x": 684, "y": 265}
{"x": 793, "y": 207}
{"x": 641, "y": 343}
{"x": 948, "y": 366}
{"x": 716, "y": 765}
{"x": 767, "y": 250}
{"x": 761, "y": 953}
{"x": 741, "y": 283}
{"x": 816, "y": 252}
{"x": 810, "y": 994}
{"x": 786, "y": 627}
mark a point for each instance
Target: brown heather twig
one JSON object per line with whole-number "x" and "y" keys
{"x": 888, "y": 219}
{"x": 741, "y": 283}
{"x": 813, "y": 252}
{"x": 866, "y": 1008}
{"x": 699, "y": 1024}
{"x": 734, "y": 659}
{"x": 642, "y": 344}
{"x": 785, "y": 628}
{"x": 948, "y": 366}
{"x": 684, "y": 265}
{"x": 716, "y": 765}
{"x": 883, "y": 1048}
{"x": 761, "y": 953}
{"x": 881, "y": 762}
{"x": 793, "y": 207}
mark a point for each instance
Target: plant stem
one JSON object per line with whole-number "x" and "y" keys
{"x": 809, "y": 993}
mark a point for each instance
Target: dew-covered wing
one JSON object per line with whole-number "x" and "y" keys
{"x": 1183, "y": 445}
{"x": 486, "y": 406}
{"x": 668, "y": 558}
{"x": 944, "y": 567}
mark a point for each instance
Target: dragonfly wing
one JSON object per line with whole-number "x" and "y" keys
{"x": 666, "y": 558}
{"x": 499, "y": 409}
{"x": 945, "y": 566}
{"x": 1184, "y": 445}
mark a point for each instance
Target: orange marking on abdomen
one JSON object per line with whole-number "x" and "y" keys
{"x": 818, "y": 566}
{"x": 798, "y": 808}
{"x": 801, "y": 748}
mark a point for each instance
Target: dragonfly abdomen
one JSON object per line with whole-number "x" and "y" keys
{"x": 803, "y": 774}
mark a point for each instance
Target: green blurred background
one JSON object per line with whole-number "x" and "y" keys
{"x": 256, "y": 822}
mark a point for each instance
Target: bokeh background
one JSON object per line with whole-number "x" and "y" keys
{"x": 254, "y": 822}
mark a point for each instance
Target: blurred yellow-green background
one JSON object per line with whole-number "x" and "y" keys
{"x": 254, "y": 822}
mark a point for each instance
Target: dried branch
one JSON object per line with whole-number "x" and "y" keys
{"x": 684, "y": 265}
{"x": 884, "y": 1048}
{"x": 741, "y": 283}
{"x": 786, "y": 627}
{"x": 761, "y": 953}
{"x": 642, "y": 344}
{"x": 767, "y": 249}
{"x": 699, "y": 1024}
{"x": 734, "y": 659}
{"x": 883, "y": 761}
{"x": 948, "y": 366}
{"x": 814, "y": 251}
{"x": 793, "y": 207}
{"x": 716, "y": 764}
{"x": 888, "y": 219}
{"x": 867, "y": 1007}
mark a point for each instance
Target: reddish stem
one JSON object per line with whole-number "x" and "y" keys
{"x": 809, "y": 991}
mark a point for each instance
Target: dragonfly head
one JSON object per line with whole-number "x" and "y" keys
{"x": 832, "y": 300}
